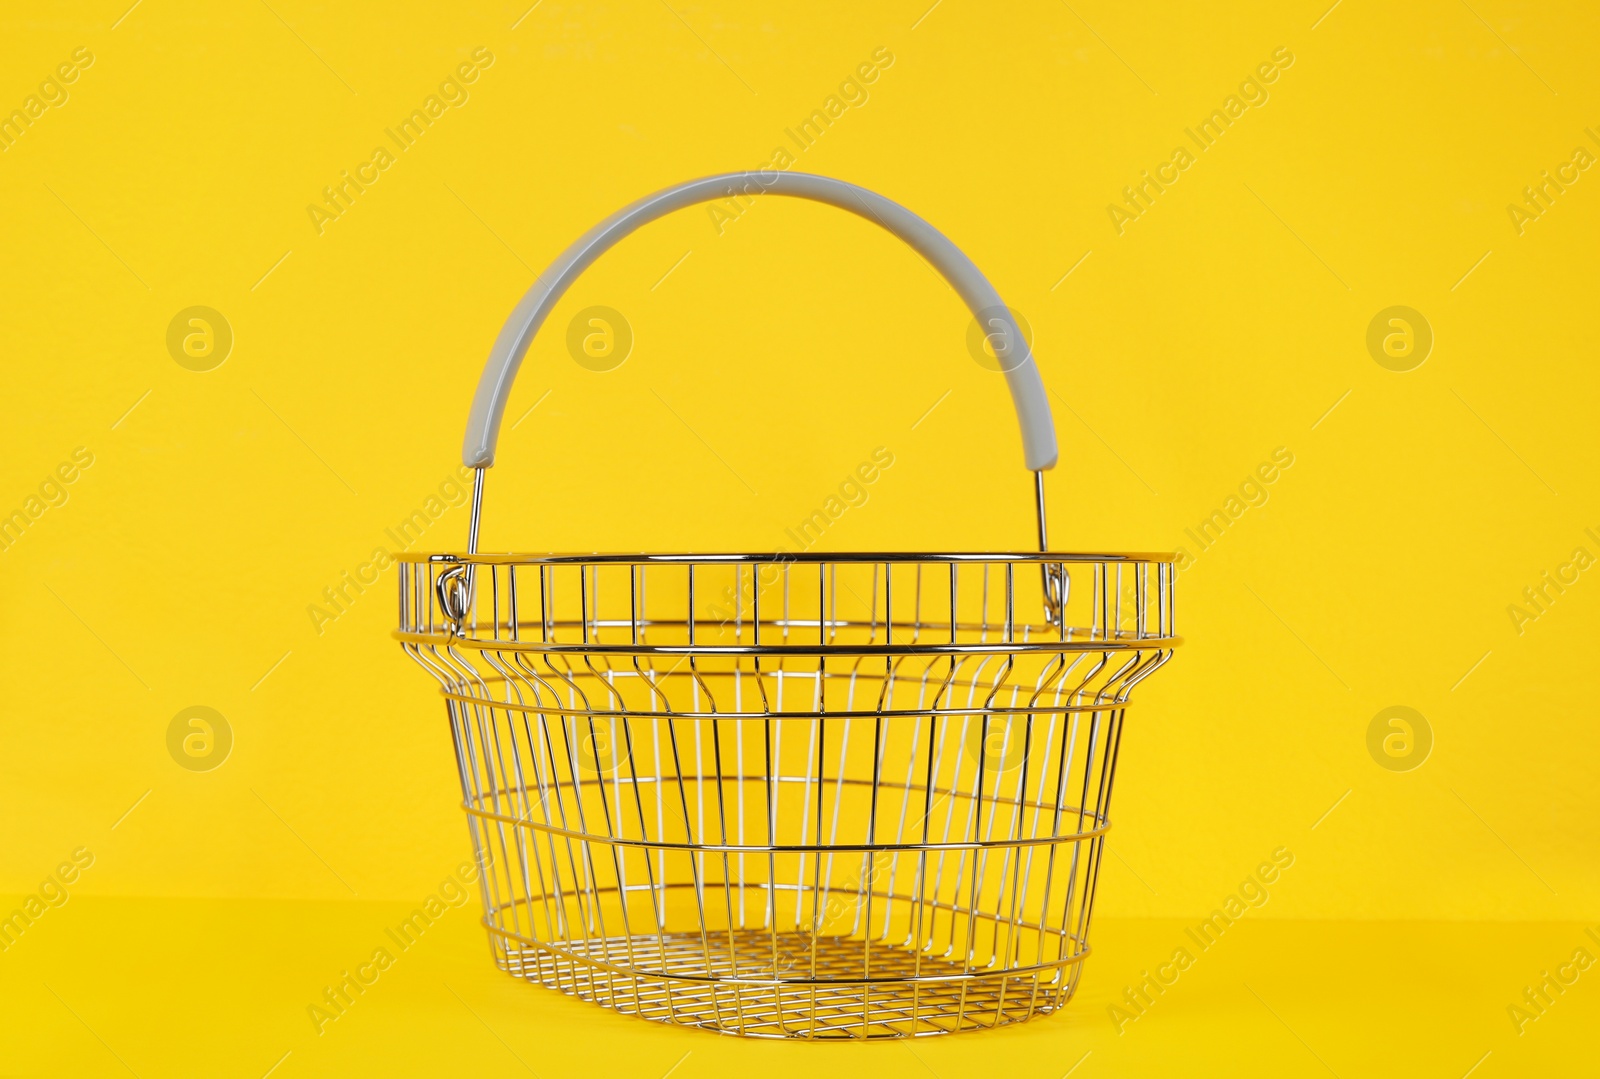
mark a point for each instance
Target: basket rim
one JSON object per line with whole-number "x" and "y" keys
{"x": 446, "y": 633}
{"x": 483, "y": 558}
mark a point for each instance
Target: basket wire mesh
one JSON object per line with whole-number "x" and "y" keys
{"x": 854, "y": 796}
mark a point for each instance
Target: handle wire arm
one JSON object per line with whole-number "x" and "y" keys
{"x": 456, "y": 583}
{"x": 1054, "y": 578}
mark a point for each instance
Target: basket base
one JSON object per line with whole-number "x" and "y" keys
{"x": 663, "y": 978}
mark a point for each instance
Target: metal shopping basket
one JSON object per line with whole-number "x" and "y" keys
{"x": 789, "y": 795}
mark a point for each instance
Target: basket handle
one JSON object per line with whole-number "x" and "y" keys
{"x": 1013, "y": 352}
{"x": 1011, "y": 349}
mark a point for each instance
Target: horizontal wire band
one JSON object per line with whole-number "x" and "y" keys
{"x": 602, "y": 784}
{"x": 804, "y": 848}
{"x": 923, "y": 980}
{"x": 550, "y": 714}
{"x": 766, "y": 932}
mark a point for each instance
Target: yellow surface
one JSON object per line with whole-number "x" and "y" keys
{"x": 208, "y": 510}
{"x": 222, "y": 987}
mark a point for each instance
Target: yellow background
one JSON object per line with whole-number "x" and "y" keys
{"x": 768, "y": 361}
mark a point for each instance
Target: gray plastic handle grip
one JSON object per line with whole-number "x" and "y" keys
{"x": 1013, "y": 352}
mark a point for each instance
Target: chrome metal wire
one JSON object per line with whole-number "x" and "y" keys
{"x": 844, "y": 796}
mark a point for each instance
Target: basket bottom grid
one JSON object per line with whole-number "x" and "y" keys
{"x": 897, "y": 1004}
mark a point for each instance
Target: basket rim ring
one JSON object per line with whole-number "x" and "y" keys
{"x": 783, "y": 557}
{"x": 447, "y": 635}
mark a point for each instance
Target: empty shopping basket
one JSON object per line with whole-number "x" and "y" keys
{"x": 789, "y": 795}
